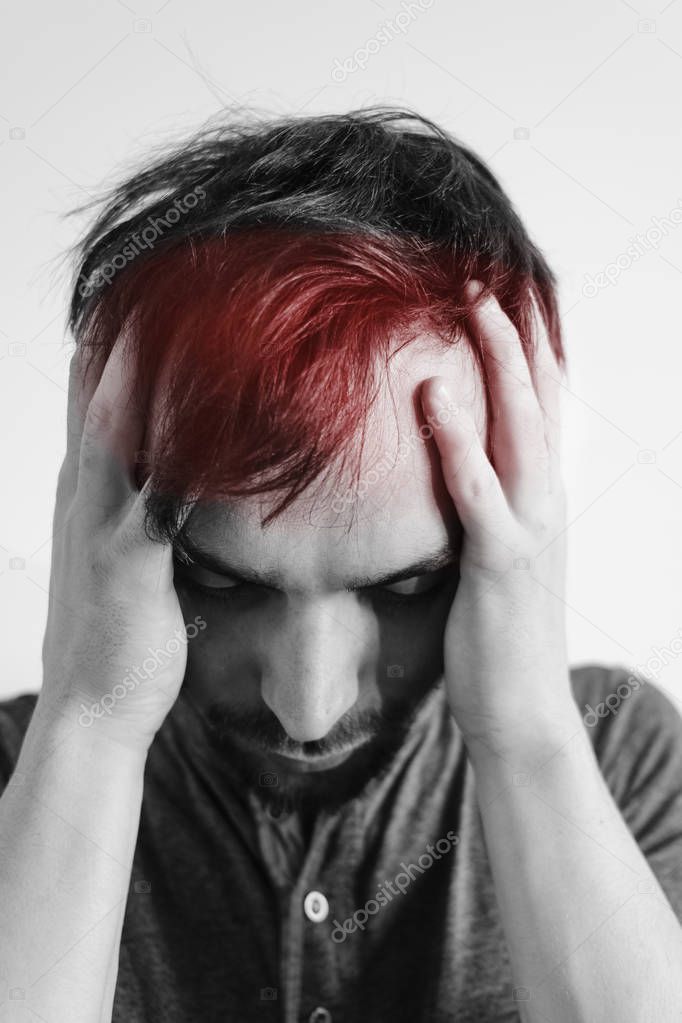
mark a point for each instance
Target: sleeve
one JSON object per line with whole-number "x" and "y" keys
{"x": 637, "y": 737}
{"x": 15, "y": 715}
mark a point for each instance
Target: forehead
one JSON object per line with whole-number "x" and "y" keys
{"x": 395, "y": 509}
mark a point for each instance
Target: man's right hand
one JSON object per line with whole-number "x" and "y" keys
{"x": 112, "y": 603}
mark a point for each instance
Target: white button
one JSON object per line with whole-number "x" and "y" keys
{"x": 316, "y": 908}
{"x": 320, "y": 1015}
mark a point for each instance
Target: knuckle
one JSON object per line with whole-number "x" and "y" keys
{"x": 478, "y": 487}
{"x": 98, "y": 417}
{"x": 89, "y": 455}
{"x": 541, "y": 522}
{"x": 94, "y": 459}
{"x": 102, "y": 565}
{"x": 125, "y": 542}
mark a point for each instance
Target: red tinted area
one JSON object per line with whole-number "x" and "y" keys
{"x": 270, "y": 344}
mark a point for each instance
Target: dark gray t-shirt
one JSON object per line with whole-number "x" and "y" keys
{"x": 233, "y": 918}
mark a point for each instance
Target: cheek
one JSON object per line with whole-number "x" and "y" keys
{"x": 222, "y": 652}
{"x": 411, "y": 653}
{"x": 404, "y": 657}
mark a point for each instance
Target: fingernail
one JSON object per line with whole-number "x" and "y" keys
{"x": 443, "y": 396}
{"x": 474, "y": 288}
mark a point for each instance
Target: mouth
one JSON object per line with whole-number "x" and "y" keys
{"x": 299, "y": 763}
{"x": 306, "y": 764}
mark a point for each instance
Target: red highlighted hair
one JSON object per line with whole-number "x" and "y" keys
{"x": 273, "y": 304}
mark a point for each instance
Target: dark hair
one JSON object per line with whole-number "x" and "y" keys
{"x": 308, "y": 241}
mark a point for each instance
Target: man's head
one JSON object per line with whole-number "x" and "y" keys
{"x": 287, "y": 287}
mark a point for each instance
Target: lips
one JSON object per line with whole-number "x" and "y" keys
{"x": 317, "y": 763}
{"x": 298, "y": 762}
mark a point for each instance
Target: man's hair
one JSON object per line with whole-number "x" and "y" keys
{"x": 267, "y": 268}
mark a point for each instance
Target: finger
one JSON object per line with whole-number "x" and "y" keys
{"x": 151, "y": 559}
{"x": 547, "y": 377}
{"x": 520, "y": 454}
{"x": 83, "y": 379}
{"x": 112, "y": 434}
{"x": 470, "y": 478}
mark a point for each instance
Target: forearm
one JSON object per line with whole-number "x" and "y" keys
{"x": 590, "y": 932}
{"x": 68, "y": 825}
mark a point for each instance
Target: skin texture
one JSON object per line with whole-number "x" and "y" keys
{"x": 506, "y": 663}
{"x": 305, "y": 668}
{"x": 313, "y": 658}
{"x": 311, "y": 667}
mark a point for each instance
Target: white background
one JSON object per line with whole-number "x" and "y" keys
{"x": 575, "y": 107}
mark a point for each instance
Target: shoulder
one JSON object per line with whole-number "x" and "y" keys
{"x": 619, "y": 704}
{"x": 15, "y": 715}
{"x": 636, "y": 731}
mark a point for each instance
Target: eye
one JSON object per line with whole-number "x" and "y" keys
{"x": 210, "y": 584}
{"x": 411, "y": 587}
{"x": 211, "y": 581}
{"x": 412, "y": 591}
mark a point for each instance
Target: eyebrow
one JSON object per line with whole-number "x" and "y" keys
{"x": 441, "y": 558}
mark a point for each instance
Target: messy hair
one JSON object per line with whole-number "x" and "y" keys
{"x": 266, "y": 267}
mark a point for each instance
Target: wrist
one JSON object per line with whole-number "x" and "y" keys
{"x": 523, "y": 745}
{"x": 57, "y": 720}
{"x": 65, "y": 773}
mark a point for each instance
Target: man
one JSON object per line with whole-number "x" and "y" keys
{"x": 308, "y": 746}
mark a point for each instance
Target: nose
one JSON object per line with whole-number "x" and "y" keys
{"x": 311, "y": 666}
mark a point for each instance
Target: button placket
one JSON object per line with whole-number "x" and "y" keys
{"x": 307, "y": 906}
